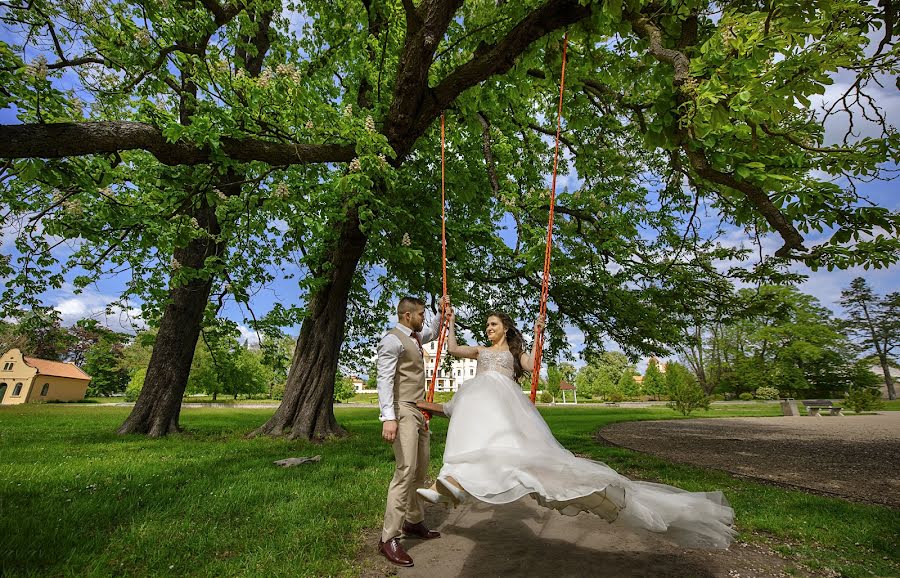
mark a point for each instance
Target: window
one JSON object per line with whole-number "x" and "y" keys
{"x": 8, "y": 366}
{"x": 17, "y": 390}
{"x": 471, "y": 371}
{"x": 45, "y": 389}
{"x": 458, "y": 372}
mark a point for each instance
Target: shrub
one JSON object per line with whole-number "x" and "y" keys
{"x": 685, "y": 393}
{"x": 615, "y": 396}
{"x": 343, "y": 388}
{"x": 746, "y": 396}
{"x": 863, "y": 399}
{"x": 135, "y": 385}
{"x": 767, "y": 393}
{"x": 278, "y": 391}
{"x": 546, "y": 397}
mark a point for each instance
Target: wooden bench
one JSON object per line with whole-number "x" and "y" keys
{"x": 814, "y": 406}
{"x": 612, "y": 403}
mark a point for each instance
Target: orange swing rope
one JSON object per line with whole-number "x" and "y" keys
{"x": 545, "y": 286}
{"x": 444, "y": 326}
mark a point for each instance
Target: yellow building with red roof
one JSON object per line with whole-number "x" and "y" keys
{"x": 26, "y": 379}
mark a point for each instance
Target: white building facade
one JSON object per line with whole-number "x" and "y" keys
{"x": 460, "y": 369}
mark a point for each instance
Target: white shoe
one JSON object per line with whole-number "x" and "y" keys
{"x": 459, "y": 495}
{"x": 432, "y": 496}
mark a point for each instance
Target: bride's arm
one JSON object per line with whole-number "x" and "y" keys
{"x": 527, "y": 359}
{"x": 455, "y": 349}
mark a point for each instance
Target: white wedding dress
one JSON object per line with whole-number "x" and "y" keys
{"x": 500, "y": 449}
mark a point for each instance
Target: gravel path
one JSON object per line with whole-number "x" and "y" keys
{"x": 524, "y": 539}
{"x": 854, "y": 457}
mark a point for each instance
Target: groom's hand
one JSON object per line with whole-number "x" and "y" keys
{"x": 389, "y": 430}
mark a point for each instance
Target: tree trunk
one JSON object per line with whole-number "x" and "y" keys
{"x": 888, "y": 380}
{"x": 157, "y": 408}
{"x": 307, "y": 408}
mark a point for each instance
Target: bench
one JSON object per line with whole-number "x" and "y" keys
{"x": 814, "y": 406}
{"x": 612, "y": 403}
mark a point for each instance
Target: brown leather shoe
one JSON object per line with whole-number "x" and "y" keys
{"x": 394, "y": 552}
{"x": 419, "y": 530}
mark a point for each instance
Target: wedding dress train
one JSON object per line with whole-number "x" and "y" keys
{"x": 499, "y": 449}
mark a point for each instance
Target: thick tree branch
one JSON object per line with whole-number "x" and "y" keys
{"x": 412, "y": 76}
{"x": 221, "y": 14}
{"x": 488, "y": 154}
{"x": 85, "y": 138}
{"x": 697, "y": 157}
{"x": 422, "y": 106}
{"x": 500, "y": 57}
{"x": 797, "y": 142}
{"x": 793, "y": 241}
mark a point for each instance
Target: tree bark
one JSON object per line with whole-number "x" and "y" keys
{"x": 66, "y": 139}
{"x": 307, "y": 409}
{"x": 888, "y": 380}
{"x": 158, "y": 407}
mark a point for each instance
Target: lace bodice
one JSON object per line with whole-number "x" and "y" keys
{"x": 492, "y": 360}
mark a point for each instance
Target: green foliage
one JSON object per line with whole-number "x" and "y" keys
{"x": 732, "y": 120}
{"x": 343, "y": 388}
{"x": 861, "y": 399}
{"x": 600, "y": 376}
{"x": 777, "y": 338}
{"x": 627, "y": 385}
{"x": 746, "y": 396}
{"x": 874, "y": 320}
{"x": 38, "y": 332}
{"x": 135, "y": 384}
{"x": 654, "y": 380}
{"x": 546, "y": 397}
{"x": 685, "y": 394}
{"x": 766, "y": 393}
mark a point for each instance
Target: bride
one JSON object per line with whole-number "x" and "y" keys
{"x": 499, "y": 449}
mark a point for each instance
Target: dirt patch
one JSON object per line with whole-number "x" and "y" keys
{"x": 523, "y": 539}
{"x": 853, "y": 457}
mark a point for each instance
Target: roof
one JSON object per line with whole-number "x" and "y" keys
{"x": 566, "y": 385}
{"x": 56, "y": 368}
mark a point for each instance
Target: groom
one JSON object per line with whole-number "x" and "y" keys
{"x": 401, "y": 383}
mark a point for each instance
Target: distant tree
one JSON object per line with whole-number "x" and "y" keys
{"x": 601, "y": 374}
{"x": 684, "y": 391}
{"x": 626, "y": 383}
{"x": 343, "y": 388}
{"x": 372, "y": 381}
{"x": 554, "y": 380}
{"x": 654, "y": 379}
{"x": 99, "y": 351}
{"x": 38, "y": 332}
{"x": 875, "y": 321}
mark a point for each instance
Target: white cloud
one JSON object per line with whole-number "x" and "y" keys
{"x": 248, "y": 335}
{"x": 96, "y": 305}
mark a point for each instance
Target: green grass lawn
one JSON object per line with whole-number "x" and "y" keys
{"x": 78, "y": 500}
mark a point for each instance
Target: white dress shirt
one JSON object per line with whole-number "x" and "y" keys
{"x": 390, "y": 348}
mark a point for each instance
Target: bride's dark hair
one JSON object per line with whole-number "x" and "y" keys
{"x": 514, "y": 340}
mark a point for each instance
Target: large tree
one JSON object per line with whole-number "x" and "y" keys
{"x": 875, "y": 320}
{"x": 669, "y": 105}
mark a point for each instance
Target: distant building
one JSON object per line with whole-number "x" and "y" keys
{"x": 358, "y": 384}
{"x": 460, "y": 369}
{"x": 895, "y": 375}
{"x": 29, "y": 379}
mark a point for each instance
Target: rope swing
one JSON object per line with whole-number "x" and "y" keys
{"x": 545, "y": 286}
{"x": 442, "y": 335}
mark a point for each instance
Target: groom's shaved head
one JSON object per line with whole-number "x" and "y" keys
{"x": 409, "y": 305}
